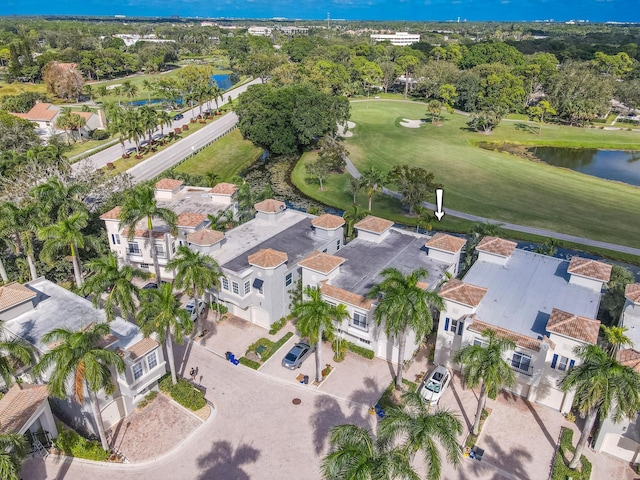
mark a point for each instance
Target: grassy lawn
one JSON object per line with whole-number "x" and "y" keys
{"x": 492, "y": 184}
{"x": 10, "y": 89}
{"x": 228, "y": 156}
{"x": 81, "y": 147}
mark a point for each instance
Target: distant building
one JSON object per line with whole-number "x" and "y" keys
{"x": 132, "y": 39}
{"x": 260, "y": 31}
{"x": 294, "y": 30}
{"x": 399, "y": 38}
{"x": 44, "y": 116}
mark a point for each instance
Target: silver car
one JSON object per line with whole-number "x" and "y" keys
{"x": 434, "y": 385}
{"x": 298, "y": 354}
{"x": 191, "y": 308}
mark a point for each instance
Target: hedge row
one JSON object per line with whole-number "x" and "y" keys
{"x": 274, "y": 348}
{"x": 249, "y": 363}
{"x": 365, "y": 352}
{"x": 183, "y": 392}
{"x": 277, "y": 326}
{"x": 561, "y": 470}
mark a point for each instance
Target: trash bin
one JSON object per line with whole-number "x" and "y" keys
{"x": 228, "y": 355}
{"x": 305, "y": 379}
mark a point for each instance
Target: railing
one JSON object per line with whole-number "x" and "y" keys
{"x": 516, "y": 367}
{"x": 134, "y": 252}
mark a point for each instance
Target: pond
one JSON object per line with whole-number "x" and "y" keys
{"x": 224, "y": 81}
{"x": 620, "y": 165}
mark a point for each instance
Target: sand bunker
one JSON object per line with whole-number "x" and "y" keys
{"x": 410, "y": 123}
{"x": 348, "y": 133}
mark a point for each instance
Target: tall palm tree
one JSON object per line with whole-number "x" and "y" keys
{"x": 17, "y": 226}
{"x": 66, "y": 234}
{"x": 13, "y": 449}
{"x": 58, "y": 199}
{"x": 351, "y": 216}
{"x": 356, "y": 455}
{"x": 10, "y": 351}
{"x": 315, "y": 317}
{"x": 615, "y": 338}
{"x": 79, "y": 361}
{"x": 4, "y": 246}
{"x": 161, "y": 313}
{"x": 139, "y": 205}
{"x": 404, "y": 306}
{"x": 116, "y": 281}
{"x": 422, "y": 430}
{"x": 483, "y": 365}
{"x": 164, "y": 120}
{"x": 603, "y": 387}
{"x": 149, "y": 120}
{"x": 132, "y": 125}
{"x": 222, "y": 221}
{"x": 129, "y": 89}
{"x": 197, "y": 272}
{"x": 372, "y": 180}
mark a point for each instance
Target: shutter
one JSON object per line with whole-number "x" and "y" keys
{"x": 554, "y": 361}
{"x": 571, "y": 364}
{"x": 446, "y": 324}
{"x": 460, "y": 327}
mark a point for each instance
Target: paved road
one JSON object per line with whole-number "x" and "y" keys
{"x": 114, "y": 152}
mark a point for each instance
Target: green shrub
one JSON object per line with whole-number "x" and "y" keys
{"x": 183, "y": 392}
{"x": 339, "y": 348}
{"x": 274, "y": 348}
{"x": 262, "y": 342}
{"x": 148, "y": 398}
{"x": 218, "y": 307}
{"x": 73, "y": 444}
{"x": 364, "y": 352}
{"x": 98, "y": 134}
{"x": 249, "y": 363}
{"x": 277, "y": 326}
{"x": 561, "y": 470}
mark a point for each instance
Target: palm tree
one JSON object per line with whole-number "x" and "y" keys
{"x": 64, "y": 122}
{"x": 141, "y": 204}
{"x": 422, "y": 430}
{"x": 351, "y": 216}
{"x": 352, "y": 187}
{"x": 425, "y": 219}
{"x": 10, "y": 352}
{"x": 403, "y": 306}
{"x": 315, "y": 317}
{"x": 116, "y": 281}
{"x": 17, "y": 226}
{"x": 615, "y": 338}
{"x": 356, "y": 455}
{"x": 222, "y": 221}
{"x": 161, "y": 313}
{"x": 129, "y": 89}
{"x": 372, "y": 180}
{"x": 164, "y": 120}
{"x": 58, "y": 199}
{"x": 67, "y": 233}
{"x": 78, "y": 361}
{"x": 132, "y": 126}
{"x": 148, "y": 120}
{"x": 434, "y": 107}
{"x": 196, "y": 271}
{"x": 603, "y": 387}
{"x": 13, "y": 449}
{"x": 483, "y": 365}
{"x": 4, "y": 246}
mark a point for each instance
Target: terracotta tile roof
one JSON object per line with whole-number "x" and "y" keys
{"x": 85, "y": 115}
{"x": 497, "y": 246}
{"x": 19, "y": 404}
{"x": 374, "y": 224}
{"x": 113, "y": 214}
{"x": 461, "y": 292}
{"x": 270, "y": 206}
{"x": 590, "y": 268}
{"x": 479, "y": 326}
{"x": 345, "y": 297}
{"x": 205, "y": 237}
{"x": 224, "y": 188}
{"x": 321, "y": 262}
{"x": 168, "y": 184}
{"x": 422, "y": 285}
{"x": 328, "y": 221}
{"x": 189, "y": 219}
{"x": 140, "y": 233}
{"x": 20, "y": 115}
{"x": 42, "y": 112}
{"x": 13, "y": 294}
{"x": 629, "y": 357}
{"x": 574, "y": 326}
{"x": 141, "y": 348}
{"x": 447, "y": 243}
{"x": 632, "y": 292}
{"x": 108, "y": 340}
{"x": 268, "y": 258}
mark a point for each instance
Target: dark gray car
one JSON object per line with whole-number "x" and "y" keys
{"x": 298, "y": 354}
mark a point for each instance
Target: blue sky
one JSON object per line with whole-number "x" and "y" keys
{"x": 472, "y": 10}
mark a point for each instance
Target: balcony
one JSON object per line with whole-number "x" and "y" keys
{"x": 524, "y": 368}
{"x": 134, "y": 252}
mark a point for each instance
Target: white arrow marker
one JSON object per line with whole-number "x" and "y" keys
{"x": 439, "y": 213}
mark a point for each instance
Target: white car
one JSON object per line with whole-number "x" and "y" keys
{"x": 434, "y": 385}
{"x": 190, "y": 307}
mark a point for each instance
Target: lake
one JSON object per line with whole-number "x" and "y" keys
{"x": 224, "y": 81}
{"x": 620, "y": 165}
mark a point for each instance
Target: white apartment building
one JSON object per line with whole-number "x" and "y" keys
{"x": 400, "y": 39}
{"x": 260, "y": 31}
{"x": 547, "y": 306}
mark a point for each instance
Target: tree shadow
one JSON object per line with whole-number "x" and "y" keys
{"x": 222, "y": 461}
{"x": 368, "y": 395}
{"x": 550, "y": 439}
{"x": 510, "y": 461}
{"x": 525, "y": 127}
{"x": 454, "y": 390}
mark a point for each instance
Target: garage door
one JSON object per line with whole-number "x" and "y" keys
{"x": 113, "y": 412}
{"x": 243, "y": 313}
{"x": 260, "y": 317}
{"x": 549, "y": 396}
{"x": 621, "y": 447}
{"x": 521, "y": 389}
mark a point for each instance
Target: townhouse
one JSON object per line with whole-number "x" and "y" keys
{"x": 546, "y": 305}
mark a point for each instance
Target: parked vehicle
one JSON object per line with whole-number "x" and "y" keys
{"x": 434, "y": 385}
{"x": 298, "y": 354}
{"x": 191, "y": 308}
{"x": 178, "y": 116}
{"x": 150, "y": 285}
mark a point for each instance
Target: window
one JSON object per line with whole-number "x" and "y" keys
{"x": 453, "y": 326}
{"x": 479, "y": 342}
{"x": 247, "y": 287}
{"x": 288, "y": 279}
{"x": 134, "y": 248}
{"x": 521, "y": 362}
{"x": 359, "y": 320}
{"x": 225, "y": 283}
{"x": 115, "y": 239}
{"x": 235, "y": 287}
{"x": 144, "y": 265}
{"x": 137, "y": 370}
{"x": 152, "y": 360}
{"x": 173, "y": 247}
{"x": 160, "y": 249}
{"x": 562, "y": 363}
{"x": 338, "y": 244}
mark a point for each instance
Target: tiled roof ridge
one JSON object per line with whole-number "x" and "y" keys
{"x": 328, "y": 221}
{"x": 479, "y": 326}
{"x": 374, "y": 224}
{"x": 496, "y": 245}
{"x": 448, "y": 243}
{"x": 321, "y": 262}
{"x": 268, "y": 258}
{"x": 590, "y": 268}
{"x": 345, "y": 296}
{"x": 461, "y": 292}
{"x": 574, "y": 326}
{"x": 270, "y": 205}
{"x": 632, "y": 292}
{"x": 14, "y": 293}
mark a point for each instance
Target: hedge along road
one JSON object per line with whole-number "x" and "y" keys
{"x": 168, "y": 157}
{"x": 502, "y": 188}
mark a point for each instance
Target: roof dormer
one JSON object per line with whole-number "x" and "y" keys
{"x": 589, "y": 273}
{"x": 167, "y": 188}
{"x": 373, "y": 229}
{"x": 327, "y": 225}
{"x": 495, "y": 250}
{"x": 15, "y": 299}
{"x": 270, "y": 209}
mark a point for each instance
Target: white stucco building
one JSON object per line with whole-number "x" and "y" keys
{"x": 400, "y": 39}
